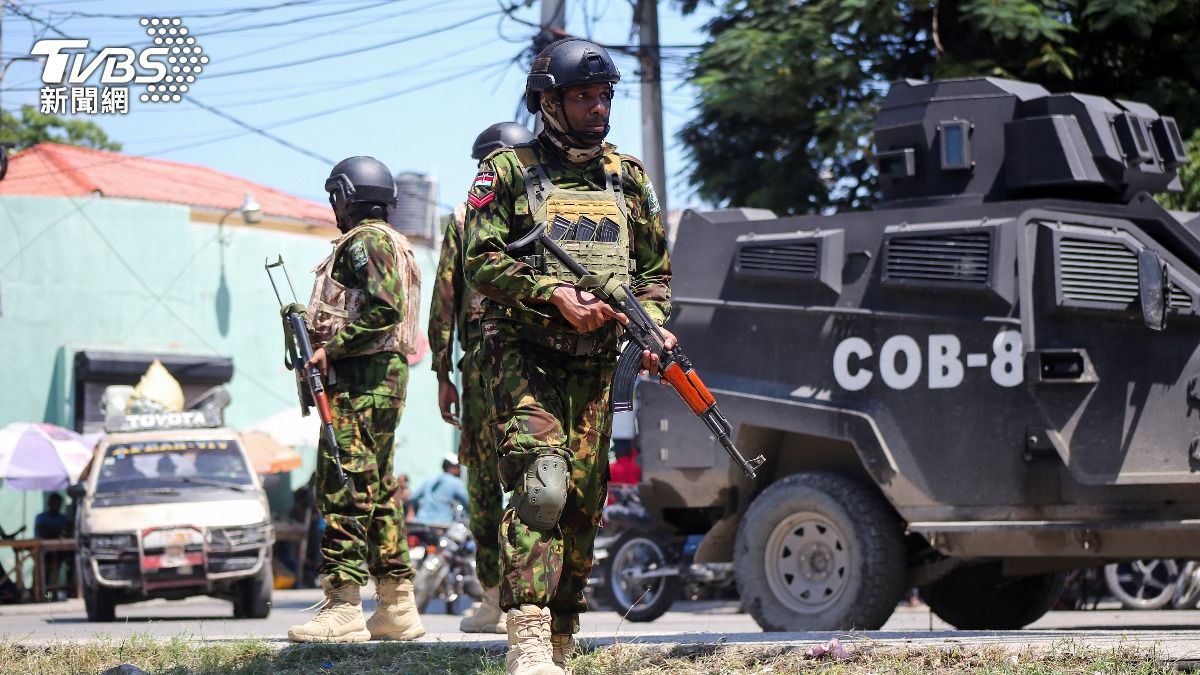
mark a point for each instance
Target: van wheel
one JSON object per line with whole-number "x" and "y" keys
{"x": 980, "y": 597}
{"x": 820, "y": 551}
{"x": 252, "y": 599}
{"x": 99, "y": 603}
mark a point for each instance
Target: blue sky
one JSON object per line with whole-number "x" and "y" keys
{"x": 417, "y": 104}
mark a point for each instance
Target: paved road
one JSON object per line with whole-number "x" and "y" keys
{"x": 1176, "y": 633}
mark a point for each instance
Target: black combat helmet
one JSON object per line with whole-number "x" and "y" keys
{"x": 566, "y": 63}
{"x": 361, "y": 179}
{"x": 499, "y": 135}
{"x": 360, "y": 188}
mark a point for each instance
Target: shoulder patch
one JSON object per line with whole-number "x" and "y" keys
{"x": 358, "y": 255}
{"x": 482, "y": 189}
{"x": 652, "y": 205}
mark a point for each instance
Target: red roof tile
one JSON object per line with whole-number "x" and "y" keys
{"x": 56, "y": 170}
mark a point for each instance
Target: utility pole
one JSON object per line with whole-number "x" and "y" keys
{"x": 554, "y": 13}
{"x": 646, "y": 16}
{"x": 553, "y": 23}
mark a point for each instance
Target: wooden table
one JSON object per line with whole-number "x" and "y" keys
{"x": 25, "y": 550}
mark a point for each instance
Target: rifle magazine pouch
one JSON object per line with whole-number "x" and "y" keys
{"x": 543, "y": 493}
{"x": 571, "y": 218}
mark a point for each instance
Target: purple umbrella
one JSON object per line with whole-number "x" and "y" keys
{"x": 42, "y": 456}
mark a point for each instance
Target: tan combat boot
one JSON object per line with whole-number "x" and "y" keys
{"x": 529, "y": 642}
{"x": 562, "y": 647}
{"x": 340, "y": 618}
{"x": 395, "y": 617}
{"x": 487, "y": 617}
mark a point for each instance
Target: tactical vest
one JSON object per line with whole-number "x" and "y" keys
{"x": 333, "y": 305}
{"x": 592, "y": 226}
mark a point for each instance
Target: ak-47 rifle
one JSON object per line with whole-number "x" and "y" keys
{"x": 297, "y": 351}
{"x": 643, "y": 334}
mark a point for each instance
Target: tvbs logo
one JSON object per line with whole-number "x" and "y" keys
{"x": 167, "y": 65}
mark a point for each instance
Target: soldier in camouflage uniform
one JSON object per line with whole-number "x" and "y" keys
{"x": 549, "y": 348}
{"x": 363, "y": 314}
{"x": 456, "y": 307}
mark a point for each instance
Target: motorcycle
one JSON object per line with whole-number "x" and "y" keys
{"x": 1154, "y": 584}
{"x": 639, "y": 572}
{"x": 444, "y": 559}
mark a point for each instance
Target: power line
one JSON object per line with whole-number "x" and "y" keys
{"x": 223, "y": 115}
{"x": 357, "y": 50}
{"x": 202, "y": 33}
{"x": 208, "y": 15}
{"x": 265, "y": 134}
{"x": 315, "y": 89}
{"x": 325, "y": 31}
{"x": 261, "y": 130}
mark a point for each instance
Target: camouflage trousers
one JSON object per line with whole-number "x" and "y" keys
{"x": 478, "y": 453}
{"x": 545, "y": 401}
{"x": 364, "y": 526}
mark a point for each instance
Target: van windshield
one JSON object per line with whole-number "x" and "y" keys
{"x": 172, "y": 465}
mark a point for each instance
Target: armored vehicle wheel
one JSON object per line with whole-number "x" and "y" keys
{"x": 1142, "y": 584}
{"x": 819, "y": 551}
{"x": 980, "y": 597}
{"x": 637, "y": 599}
{"x": 253, "y": 595}
{"x": 99, "y": 604}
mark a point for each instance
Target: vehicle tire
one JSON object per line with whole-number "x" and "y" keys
{"x": 638, "y": 601}
{"x": 1142, "y": 584}
{"x": 100, "y": 604}
{"x": 820, "y": 551}
{"x": 981, "y": 597}
{"x": 252, "y": 599}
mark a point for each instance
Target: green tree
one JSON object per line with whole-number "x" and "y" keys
{"x": 789, "y": 88}
{"x": 32, "y": 127}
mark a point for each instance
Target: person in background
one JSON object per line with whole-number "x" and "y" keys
{"x": 624, "y": 470}
{"x": 436, "y": 498}
{"x": 363, "y": 316}
{"x": 54, "y": 524}
{"x": 455, "y": 311}
{"x": 624, "y": 473}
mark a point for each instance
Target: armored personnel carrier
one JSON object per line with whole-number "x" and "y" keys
{"x": 986, "y": 381}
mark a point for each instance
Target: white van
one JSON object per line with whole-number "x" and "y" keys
{"x": 172, "y": 513}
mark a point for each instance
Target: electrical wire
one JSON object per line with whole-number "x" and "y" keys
{"x": 248, "y": 129}
{"x": 357, "y": 50}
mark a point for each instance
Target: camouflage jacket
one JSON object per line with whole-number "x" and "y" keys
{"x": 455, "y": 306}
{"x": 367, "y": 262}
{"x": 502, "y": 217}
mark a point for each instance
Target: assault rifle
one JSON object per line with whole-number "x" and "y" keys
{"x": 643, "y": 334}
{"x": 297, "y": 351}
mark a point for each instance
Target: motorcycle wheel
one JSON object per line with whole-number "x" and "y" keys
{"x": 1142, "y": 584}
{"x": 644, "y": 600}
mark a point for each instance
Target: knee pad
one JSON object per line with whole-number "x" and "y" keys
{"x": 540, "y": 502}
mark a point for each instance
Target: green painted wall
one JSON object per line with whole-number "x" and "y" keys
{"x": 138, "y": 276}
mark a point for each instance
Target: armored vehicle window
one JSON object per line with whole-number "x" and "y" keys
{"x": 956, "y": 145}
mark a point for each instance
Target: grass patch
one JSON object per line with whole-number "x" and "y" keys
{"x": 245, "y": 657}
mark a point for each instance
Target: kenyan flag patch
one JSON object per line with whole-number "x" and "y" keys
{"x": 481, "y": 193}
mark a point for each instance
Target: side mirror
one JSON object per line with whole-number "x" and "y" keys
{"x": 77, "y": 491}
{"x": 1152, "y": 289}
